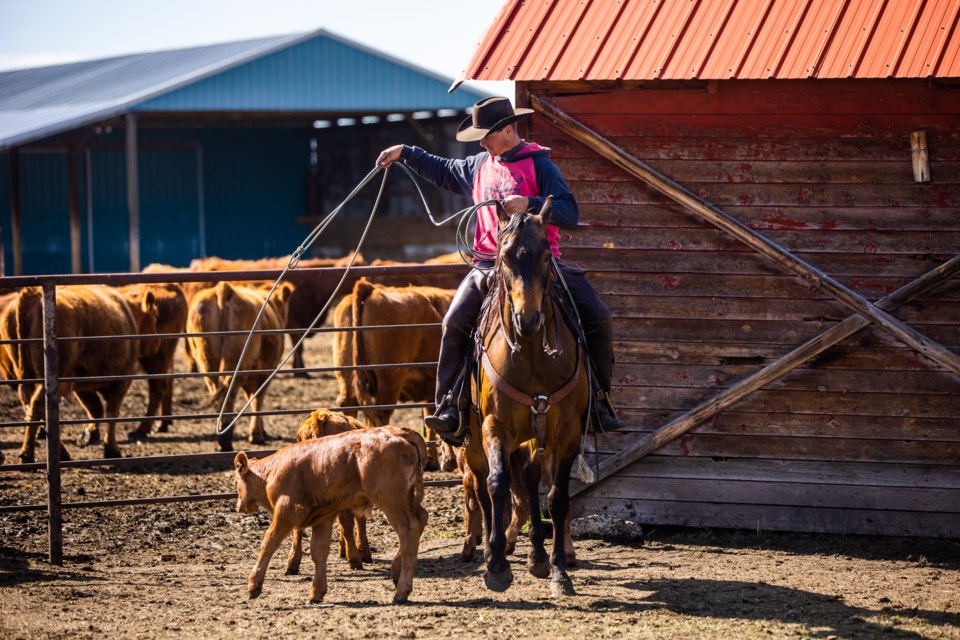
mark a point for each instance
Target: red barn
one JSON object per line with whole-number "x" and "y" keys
{"x": 770, "y": 204}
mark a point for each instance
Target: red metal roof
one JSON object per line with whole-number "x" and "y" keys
{"x": 719, "y": 39}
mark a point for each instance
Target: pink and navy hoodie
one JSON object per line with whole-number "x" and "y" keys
{"x": 526, "y": 170}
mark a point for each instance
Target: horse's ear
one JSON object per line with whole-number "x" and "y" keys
{"x": 546, "y": 209}
{"x": 502, "y": 214}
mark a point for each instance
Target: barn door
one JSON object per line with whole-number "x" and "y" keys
{"x": 171, "y": 208}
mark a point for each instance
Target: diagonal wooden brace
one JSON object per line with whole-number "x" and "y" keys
{"x": 751, "y": 238}
{"x": 775, "y": 370}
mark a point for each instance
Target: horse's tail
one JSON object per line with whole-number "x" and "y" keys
{"x": 366, "y": 380}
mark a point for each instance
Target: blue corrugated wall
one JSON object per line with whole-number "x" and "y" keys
{"x": 251, "y": 191}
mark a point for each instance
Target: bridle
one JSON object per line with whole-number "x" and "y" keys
{"x": 539, "y": 403}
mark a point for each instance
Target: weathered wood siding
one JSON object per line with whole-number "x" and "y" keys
{"x": 865, "y": 438}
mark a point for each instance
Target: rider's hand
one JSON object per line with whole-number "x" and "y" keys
{"x": 389, "y": 156}
{"x": 515, "y": 204}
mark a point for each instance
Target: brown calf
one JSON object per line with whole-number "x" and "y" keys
{"x": 318, "y": 424}
{"x": 308, "y": 483}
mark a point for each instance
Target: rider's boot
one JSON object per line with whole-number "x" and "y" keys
{"x": 445, "y": 422}
{"x": 600, "y": 345}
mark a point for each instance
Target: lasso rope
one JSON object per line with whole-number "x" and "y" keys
{"x": 465, "y": 254}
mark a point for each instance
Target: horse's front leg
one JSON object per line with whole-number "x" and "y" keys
{"x": 559, "y": 503}
{"x": 494, "y": 503}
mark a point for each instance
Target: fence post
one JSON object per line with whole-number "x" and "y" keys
{"x": 51, "y": 387}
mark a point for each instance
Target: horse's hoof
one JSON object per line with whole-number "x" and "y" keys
{"x": 467, "y": 554}
{"x": 225, "y": 444}
{"x": 253, "y": 592}
{"x": 164, "y": 427}
{"x": 88, "y": 437}
{"x": 539, "y": 568}
{"x": 292, "y": 569}
{"x": 26, "y": 459}
{"x": 258, "y": 439}
{"x": 562, "y": 586}
{"x": 400, "y": 598}
{"x": 138, "y": 435}
{"x": 499, "y": 581}
{"x": 356, "y": 565}
{"x": 112, "y": 453}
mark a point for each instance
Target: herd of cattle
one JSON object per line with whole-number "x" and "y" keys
{"x": 107, "y": 334}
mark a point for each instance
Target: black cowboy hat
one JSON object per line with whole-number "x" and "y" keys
{"x": 489, "y": 115}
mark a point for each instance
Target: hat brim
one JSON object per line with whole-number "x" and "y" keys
{"x": 468, "y": 133}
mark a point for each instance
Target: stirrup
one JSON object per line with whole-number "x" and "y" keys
{"x": 448, "y": 426}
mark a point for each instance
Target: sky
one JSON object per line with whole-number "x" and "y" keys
{"x": 438, "y": 35}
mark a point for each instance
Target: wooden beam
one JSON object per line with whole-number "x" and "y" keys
{"x": 73, "y": 177}
{"x": 758, "y": 242}
{"x": 133, "y": 191}
{"x": 16, "y": 240}
{"x": 781, "y": 367}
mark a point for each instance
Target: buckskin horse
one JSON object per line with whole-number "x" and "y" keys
{"x": 531, "y": 390}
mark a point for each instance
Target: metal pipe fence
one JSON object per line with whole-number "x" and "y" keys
{"x": 51, "y": 381}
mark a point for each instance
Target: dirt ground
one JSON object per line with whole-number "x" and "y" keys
{"x": 180, "y": 570}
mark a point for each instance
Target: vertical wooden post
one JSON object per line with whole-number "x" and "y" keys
{"x": 51, "y": 387}
{"x": 918, "y": 150}
{"x": 73, "y": 177}
{"x": 15, "y": 240}
{"x": 133, "y": 192}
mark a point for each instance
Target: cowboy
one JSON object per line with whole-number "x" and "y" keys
{"x": 521, "y": 175}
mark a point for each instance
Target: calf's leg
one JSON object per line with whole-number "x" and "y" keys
{"x": 409, "y": 524}
{"x": 320, "y": 551}
{"x": 271, "y": 542}
{"x": 348, "y": 545}
{"x": 296, "y": 553}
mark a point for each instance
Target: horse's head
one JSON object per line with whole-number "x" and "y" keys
{"x": 523, "y": 262}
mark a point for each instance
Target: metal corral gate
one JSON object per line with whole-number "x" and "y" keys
{"x": 53, "y": 465}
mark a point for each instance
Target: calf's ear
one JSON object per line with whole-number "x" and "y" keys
{"x": 241, "y": 464}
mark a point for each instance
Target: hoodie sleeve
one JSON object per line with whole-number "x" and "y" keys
{"x": 452, "y": 175}
{"x": 566, "y": 212}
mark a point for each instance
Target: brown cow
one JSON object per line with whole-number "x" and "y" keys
{"x": 374, "y": 304}
{"x": 229, "y": 307}
{"x": 308, "y": 483}
{"x": 312, "y": 295}
{"x": 318, "y": 424}
{"x": 82, "y": 311}
{"x": 441, "y": 281}
{"x": 171, "y": 318}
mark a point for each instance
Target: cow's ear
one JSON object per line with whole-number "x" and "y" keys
{"x": 546, "y": 210}
{"x": 286, "y": 289}
{"x": 502, "y": 214}
{"x": 149, "y": 301}
{"x": 241, "y": 464}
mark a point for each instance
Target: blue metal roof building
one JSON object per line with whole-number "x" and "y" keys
{"x": 230, "y": 149}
